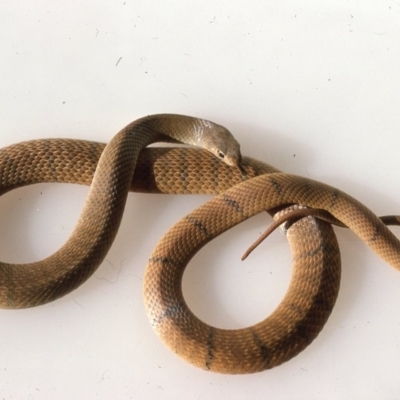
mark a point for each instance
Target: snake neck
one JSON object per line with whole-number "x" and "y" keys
{"x": 172, "y": 128}
{"x": 193, "y": 131}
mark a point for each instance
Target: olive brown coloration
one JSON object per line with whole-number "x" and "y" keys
{"x": 125, "y": 165}
{"x": 33, "y": 284}
{"x": 312, "y": 291}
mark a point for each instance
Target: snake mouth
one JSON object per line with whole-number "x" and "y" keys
{"x": 243, "y": 172}
{"x": 237, "y": 162}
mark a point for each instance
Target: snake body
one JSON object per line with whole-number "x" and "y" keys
{"x": 112, "y": 173}
{"x": 37, "y": 283}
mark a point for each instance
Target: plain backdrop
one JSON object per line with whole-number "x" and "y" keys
{"x": 312, "y": 88}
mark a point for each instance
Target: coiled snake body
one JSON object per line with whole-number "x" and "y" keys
{"x": 246, "y": 187}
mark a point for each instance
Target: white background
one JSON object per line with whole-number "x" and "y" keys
{"x": 313, "y": 89}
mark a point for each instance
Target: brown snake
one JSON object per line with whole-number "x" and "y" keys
{"x": 316, "y": 261}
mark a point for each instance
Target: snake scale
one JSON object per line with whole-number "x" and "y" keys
{"x": 243, "y": 188}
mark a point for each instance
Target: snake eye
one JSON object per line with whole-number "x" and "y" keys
{"x": 221, "y": 155}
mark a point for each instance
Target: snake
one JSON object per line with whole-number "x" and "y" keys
{"x": 243, "y": 187}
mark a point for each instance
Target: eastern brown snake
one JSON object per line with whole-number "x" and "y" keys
{"x": 244, "y": 186}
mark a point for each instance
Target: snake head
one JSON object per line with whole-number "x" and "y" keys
{"x": 225, "y": 147}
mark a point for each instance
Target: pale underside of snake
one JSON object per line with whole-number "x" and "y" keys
{"x": 245, "y": 186}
